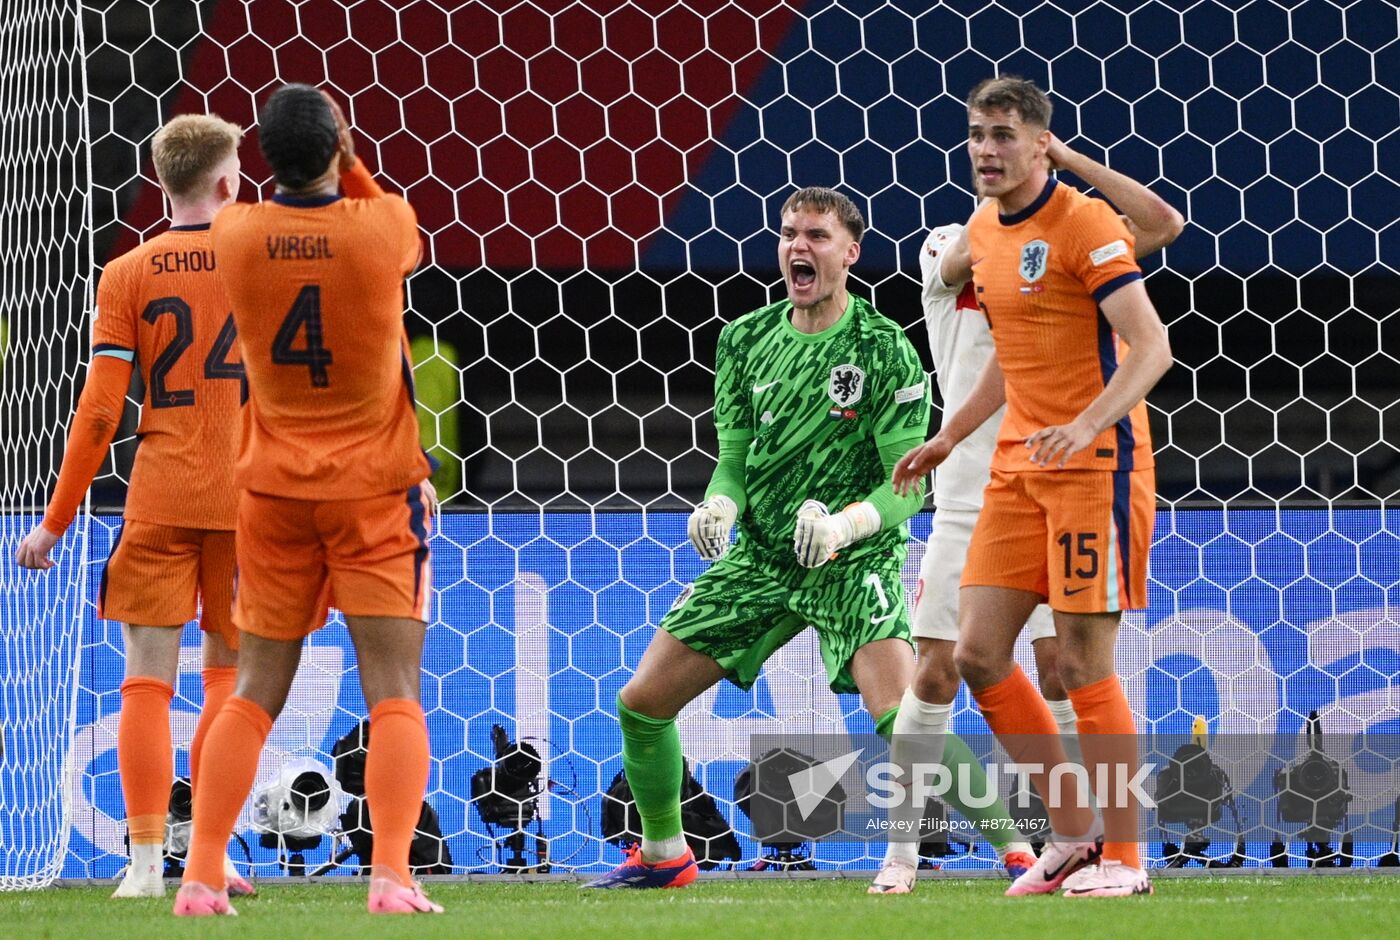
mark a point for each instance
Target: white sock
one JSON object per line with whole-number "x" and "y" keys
{"x": 146, "y": 858}
{"x": 1063, "y": 710}
{"x": 1094, "y": 833}
{"x": 663, "y": 850}
{"x": 919, "y": 729}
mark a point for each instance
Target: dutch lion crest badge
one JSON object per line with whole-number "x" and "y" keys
{"x": 1034, "y": 256}
{"x": 846, "y": 384}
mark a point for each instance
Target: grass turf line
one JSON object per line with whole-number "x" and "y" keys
{"x": 1200, "y": 908}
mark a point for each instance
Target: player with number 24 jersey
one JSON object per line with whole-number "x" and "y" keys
{"x": 162, "y": 303}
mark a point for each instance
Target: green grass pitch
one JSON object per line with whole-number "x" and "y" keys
{"x": 1195, "y": 908}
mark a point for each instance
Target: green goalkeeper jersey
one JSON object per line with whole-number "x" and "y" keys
{"x": 816, "y": 409}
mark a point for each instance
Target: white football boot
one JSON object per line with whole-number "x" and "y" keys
{"x": 896, "y": 877}
{"x": 1108, "y": 879}
{"x": 1057, "y": 862}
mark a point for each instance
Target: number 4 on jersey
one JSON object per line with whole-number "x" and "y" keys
{"x": 217, "y": 364}
{"x": 305, "y": 312}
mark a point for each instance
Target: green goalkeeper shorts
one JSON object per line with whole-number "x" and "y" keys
{"x": 740, "y": 611}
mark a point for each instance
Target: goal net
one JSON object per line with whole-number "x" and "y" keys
{"x": 44, "y": 290}
{"x": 597, "y": 183}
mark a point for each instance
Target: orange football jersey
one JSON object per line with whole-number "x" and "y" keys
{"x": 1040, "y": 275}
{"x": 317, "y": 291}
{"x": 163, "y": 301}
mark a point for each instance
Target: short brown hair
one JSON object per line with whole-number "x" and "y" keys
{"x": 1012, "y": 93}
{"x": 821, "y": 199}
{"x": 188, "y": 147}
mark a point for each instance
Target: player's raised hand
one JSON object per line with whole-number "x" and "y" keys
{"x": 911, "y": 469}
{"x": 1059, "y": 442}
{"x": 710, "y": 525}
{"x": 347, "y": 140}
{"x": 34, "y": 549}
{"x": 1056, "y": 153}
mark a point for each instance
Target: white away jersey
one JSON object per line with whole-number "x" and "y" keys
{"x": 960, "y": 343}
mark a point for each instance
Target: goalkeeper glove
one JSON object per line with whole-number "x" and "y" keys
{"x": 820, "y": 535}
{"x": 710, "y": 525}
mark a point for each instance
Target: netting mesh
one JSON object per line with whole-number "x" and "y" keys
{"x": 45, "y": 258}
{"x": 597, "y": 184}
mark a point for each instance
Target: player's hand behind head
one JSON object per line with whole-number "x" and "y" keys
{"x": 911, "y": 469}
{"x": 34, "y": 549}
{"x": 347, "y": 140}
{"x": 710, "y": 525}
{"x": 1056, "y": 153}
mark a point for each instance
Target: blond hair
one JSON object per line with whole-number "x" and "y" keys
{"x": 188, "y": 147}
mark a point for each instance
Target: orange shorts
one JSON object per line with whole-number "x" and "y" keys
{"x": 159, "y": 575}
{"x": 1078, "y": 538}
{"x": 368, "y": 556}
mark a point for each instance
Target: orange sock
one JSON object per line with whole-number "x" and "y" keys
{"x": 1107, "y": 737}
{"x": 145, "y": 761}
{"x": 218, "y": 686}
{"x": 227, "y": 767}
{"x": 396, "y": 776}
{"x": 1022, "y": 722}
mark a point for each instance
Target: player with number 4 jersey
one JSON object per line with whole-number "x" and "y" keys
{"x": 316, "y": 283}
{"x": 333, "y": 486}
{"x": 317, "y": 290}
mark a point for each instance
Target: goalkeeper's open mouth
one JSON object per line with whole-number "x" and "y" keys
{"x": 801, "y": 275}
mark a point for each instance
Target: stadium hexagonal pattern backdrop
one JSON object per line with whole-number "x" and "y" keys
{"x": 597, "y": 184}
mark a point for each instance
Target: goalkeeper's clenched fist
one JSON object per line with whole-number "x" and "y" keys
{"x": 820, "y": 535}
{"x": 710, "y": 525}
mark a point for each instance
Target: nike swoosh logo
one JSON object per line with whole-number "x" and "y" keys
{"x": 974, "y": 264}
{"x": 1052, "y": 875}
{"x": 1071, "y": 593}
{"x": 760, "y": 389}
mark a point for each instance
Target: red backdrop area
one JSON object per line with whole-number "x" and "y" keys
{"x": 556, "y": 134}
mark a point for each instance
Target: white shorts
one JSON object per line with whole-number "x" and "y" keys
{"x": 940, "y": 571}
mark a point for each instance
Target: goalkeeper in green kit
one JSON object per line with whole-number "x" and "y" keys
{"x": 816, "y": 398}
